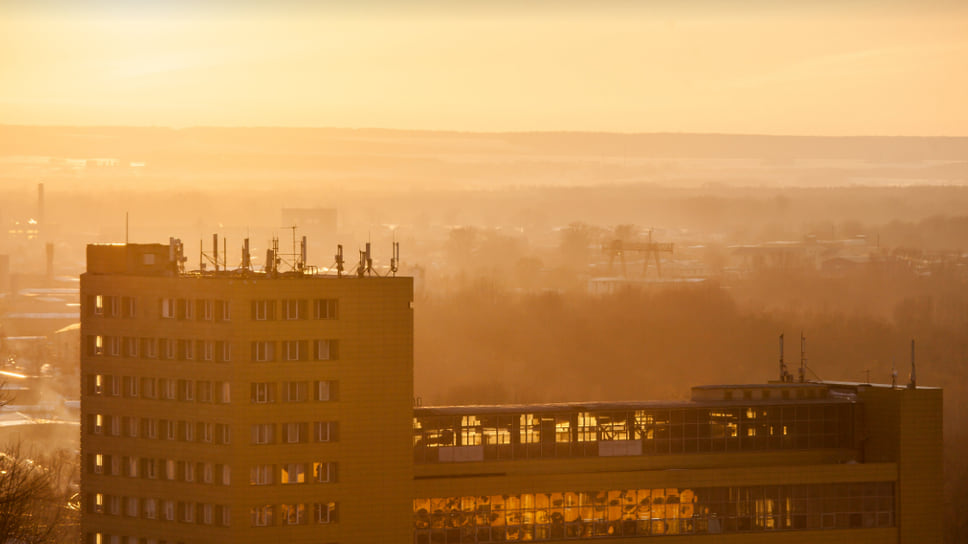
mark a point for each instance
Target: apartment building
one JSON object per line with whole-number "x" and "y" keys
{"x": 242, "y": 407}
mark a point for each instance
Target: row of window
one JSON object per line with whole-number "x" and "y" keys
{"x": 158, "y": 469}
{"x": 132, "y": 387}
{"x": 173, "y": 349}
{"x": 652, "y": 512}
{"x": 159, "y": 509}
{"x": 295, "y": 432}
{"x": 321, "y": 472}
{"x": 270, "y": 392}
{"x": 101, "y": 538}
{"x": 187, "y": 309}
{"x": 162, "y": 429}
{"x": 268, "y": 515}
{"x": 633, "y": 432}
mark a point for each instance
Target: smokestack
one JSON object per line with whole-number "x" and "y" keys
{"x": 50, "y": 262}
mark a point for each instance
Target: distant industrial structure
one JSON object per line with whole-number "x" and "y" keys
{"x": 277, "y": 406}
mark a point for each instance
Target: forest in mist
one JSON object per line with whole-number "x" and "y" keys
{"x": 505, "y": 235}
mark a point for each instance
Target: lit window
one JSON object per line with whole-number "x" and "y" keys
{"x": 324, "y": 472}
{"x": 294, "y": 473}
{"x": 261, "y": 515}
{"x": 294, "y": 514}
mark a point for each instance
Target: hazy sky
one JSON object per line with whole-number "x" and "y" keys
{"x": 818, "y": 67}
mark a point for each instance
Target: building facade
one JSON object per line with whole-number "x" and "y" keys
{"x": 242, "y": 407}
{"x": 252, "y": 407}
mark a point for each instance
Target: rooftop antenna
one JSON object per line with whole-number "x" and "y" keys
{"x": 339, "y": 260}
{"x": 303, "y": 251}
{"x": 803, "y": 357}
{"x": 215, "y": 250}
{"x": 246, "y": 257}
{"x": 395, "y": 259}
{"x": 125, "y": 228}
{"x": 783, "y": 368}
{"x": 913, "y": 384}
{"x": 893, "y": 374}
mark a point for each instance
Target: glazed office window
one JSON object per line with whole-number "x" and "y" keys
{"x": 653, "y": 512}
{"x": 326, "y": 308}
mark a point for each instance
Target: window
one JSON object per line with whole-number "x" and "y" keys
{"x": 115, "y": 386}
{"x": 294, "y": 514}
{"x": 207, "y": 514}
{"x": 263, "y": 393}
{"x": 149, "y": 348}
{"x": 326, "y": 390}
{"x": 115, "y": 463}
{"x": 226, "y": 516}
{"x": 187, "y": 349}
{"x": 263, "y": 433}
{"x": 95, "y": 384}
{"x": 188, "y": 471}
{"x": 115, "y": 425}
{"x": 186, "y": 310}
{"x": 324, "y": 472}
{"x": 168, "y": 427}
{"x": 169, "y": 469}
{"x": 293, "y": 473}
{"x": 131, "y": 387}
{"x": 150, "y": 508}
{"x": 187, "y": 512}
{"x": 294, "y": 350}
{"x": 225, "y": 392}
{"x": 207, "y": 309}
{"x": 95, "y": 345}
{"x": 224, "y": 351}
{"x": 186, "y": 390}
{"x": 150, "y": 428}
{"x": 263, "y": 310}
{"x": 169, "y": 388}
{"x": 148, "y": 390}
{"x": 169, "y": 510}
{"x": 326, "y": 350}
{"x": 169, "y": 348}
{"x": 98, "y": 464}
{"x": 223, "y": 310}
{"x": 149, "y": 468}
{"x": 208, "y": 350}
{"x": 114, "y": 346}
{"x": 208, "y": 473}
{"x": 261, "y": 475}
{"x": 131, "y": 507}
{"x": 325, "y": 512}
{"x": 224, "y": 433}
{"x": 168, "y": 308}
{"x": 187, "y": 430}
{"x": 207, "y": 432}
{"x": 325, "y": 431}
{"x": 131, "y": 426}
{"x": 114, "y": 505}
{"x": 97, "y": 505}
{"x": 128, "y": 306}
{"x": 130, "y": 346}
{"x": 294, "y": 309}
{"x": 261, "y": 515}
{"x": 295, "y": 391}
{"x": 226, "y": 475}
{"x": 294, "y": 432}
{"x": 205, "y": 391}
{"x": 263, "y": 351}
{"x": 131, "y": 467}
{"x": 325, "y": 308}
{"x": 97, "y": 307}
{"x": 115, "y": 306}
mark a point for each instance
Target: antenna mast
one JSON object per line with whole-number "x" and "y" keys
{"x": 913, "y": 384}
{"x": 803, "y": 357}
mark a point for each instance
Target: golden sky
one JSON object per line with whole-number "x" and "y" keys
{"x": 822, "y": 67}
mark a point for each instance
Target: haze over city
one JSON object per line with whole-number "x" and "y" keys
{"x": 600, "y": 207}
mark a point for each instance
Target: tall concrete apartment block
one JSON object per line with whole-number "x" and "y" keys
{"x": 243, "y": 407}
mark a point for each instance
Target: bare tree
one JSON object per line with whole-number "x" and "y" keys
{"x": 37, "y": 497}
